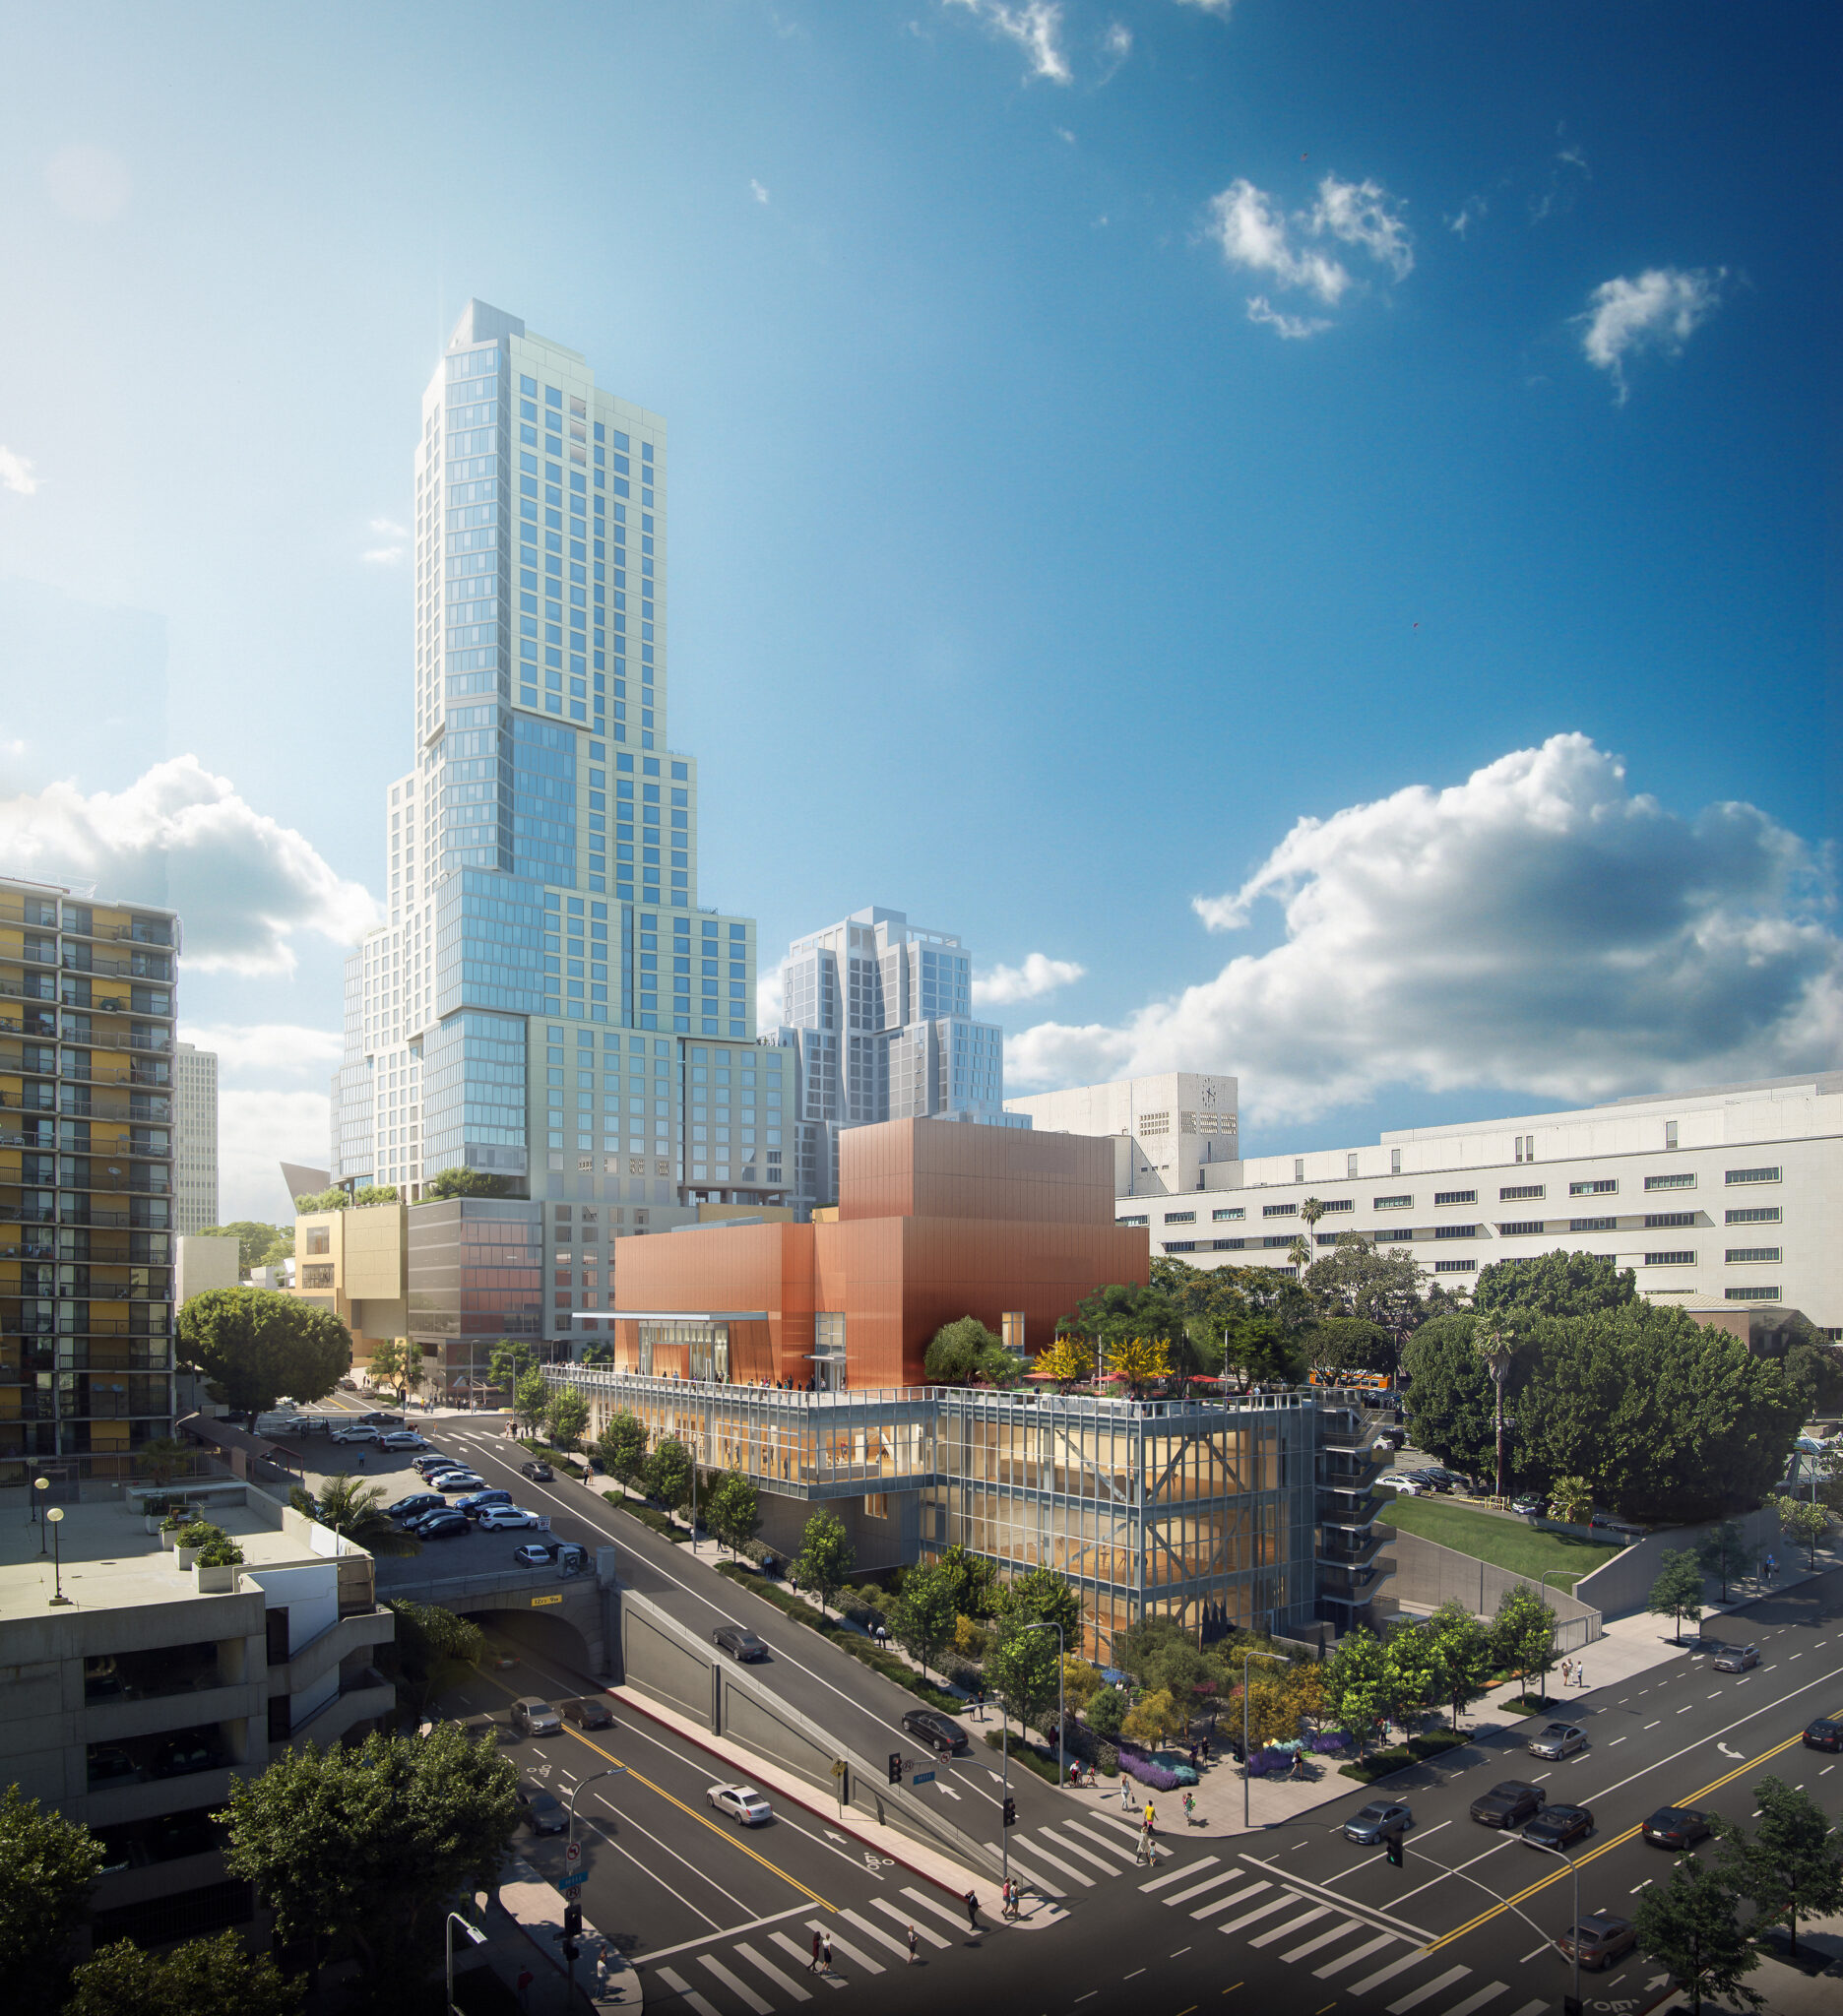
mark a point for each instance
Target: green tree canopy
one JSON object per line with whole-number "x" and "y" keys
{"x": 1792, "y": 1866}
{"x": 395, "y": 1363}
{"x": 1804, "y": 1520}
{"x": 1816, "y": 1368}
{"x": 1689, "y": 1926}
{"x": 922, "y": 1611}
{"x": 733, "y": 1512}
{"x": 1556, "y": 1284}
{"x": 1371, "y": 1284}
{"x": 1349, "y": 1343}
{"x": 668, "y": 1472}
{"x": 1022, "y": 1666}
{"x": 1523, "y": 1633}
{"x": 963, "y": 1350}
{"x": 1451, "y": 1393}
{"x": 1357, "y": 1685}
{"x": 258, "y": 1244}
{"x": 974, "y": 1582}
{"x": 356, "y": 1511}
{"x": 509, "y": 1360}
{"x": 371, "y": 1843}
{"x": 1462, "y": 1650}
{"x": 1412, "y": 1674}
{"x": 433, "y": 1648}
{"x": 1042, "y": 1595}
{"x": 1721, "y": 1551}
{"x": 622, "y": 1447}
{"x": 566, "y": 1415}
{"x": 826, "y": 1557}
{"x": 47, "y": 1865}
{"x": 252, "y": 1344}
{"x": 465, "y": 1182}
{"x": 217, "y": 1977}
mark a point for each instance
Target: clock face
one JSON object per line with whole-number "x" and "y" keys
{"x": 1209, "y": 1096}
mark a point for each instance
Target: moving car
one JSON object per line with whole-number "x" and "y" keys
{"x": 1676, "y": 1827}
{"x": 416, "y": 1503}
{"x": 496, "y": 1518}
{"x": 538, "y": 1472}
{"x": 589, "y": 1712}
{"x": 1602, "y": 1939}
{"x": 1735, "y": 1659}
{"x": 476, "y": 1502}
{"x": 1508, "y": 1804}
{"x": 401, "y": 1438}
{"x": 360, "y": 1432}
{"x": 738, "y": 1642}
{"x": 1826, "y": 1734}
{"x": 1558, "y": 1739}
{"x": 382, "y": 1420}
{"x": 1557, "y": 1826}
{"x": 533, "y": 1716}
{"x": 743, "y": 1802}
{"x": 541, "y": 1811}
{"x": 540, "y": 1553}
{"x": 1377, "y": 1821}
{"x": 936, "y": 1729}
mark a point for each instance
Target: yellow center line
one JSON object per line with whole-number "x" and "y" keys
{"x": 1605, "y": 1848}
{"x": 721, "y": 1833}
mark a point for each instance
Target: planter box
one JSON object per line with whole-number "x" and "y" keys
{"x": 169, "y": 1537}
{"x": 187, "y": 1555}
{"x": 217, "y": 1581}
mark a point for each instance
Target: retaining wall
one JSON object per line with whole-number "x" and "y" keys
{"x": 1621, "y": 1588}
{"x": 1428, "y": 1575}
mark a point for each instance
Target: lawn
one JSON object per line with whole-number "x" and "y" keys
{"x": 1505, "y": 1542}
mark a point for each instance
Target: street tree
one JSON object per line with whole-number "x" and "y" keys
{"x": 1411, "y": 1675}
{"x": 1066, "y": 1361}
{"x": 1803, "y": 1520}
{"x": 1349, "y": 1343}
{"x": 510, "y": 1361}
{"x": 1556, "y": 1284}
{"x": 1462, "y": 1649}
{"x": 1678, "y": 1591}
{"x": 1792, "y": 1866}
{"x": 964, "y": 1350}
{"x": 1356, "y": 1687}
{"x": 252, "y": 1344}
{"x": 668, "y": 1473}
{"x": 921, "y": 1612}
{"x": 1040, "y": 1596}
{"x": 370, "y": 1845}
{"x": 734, "y": 1512}
{"x": 1570, "y": 1500}
{"x": 395, "y": 1363}
{"x": 1153, "y": 1718}
{"x": 1107, "y": 1712}
{"x": 358, "y": 1512}
{"x": 826, "y": 1557}
{"x": 1723, "y": 1553}
{"x": 1523, "y": 1634}
{"x": 975, "y": 1582}
{"x": 47, "y": 1865}
{"x": 622, "y": 1447}
{"x": 531, "y": 1400}
{"x": 1138, "y": 1361}
{"x": 1691, "y": 1927}
{"x": 258, "y": 1244}
{"x": 434, "y": 1649}
{"x": 566, "y": 1415}
{"x": 217, "y": 1977}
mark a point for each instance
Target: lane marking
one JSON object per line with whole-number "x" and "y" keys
{"x": 842, "y": 1945}
{"x": 897, "y": 1946}
{"x": 1388, "y": 1973}
{"x": 1229, "y": 1902}
{"x": 1208, "y": 1883}
{"x": 1383, "y": 1920}
{"x": 1177, "y": 1876}
{"x": 956, "y": 1918}
{"x": 1286, "y": 1931}
{"x": 723, "y": 1931}
{"x": 1321, "y": 1941}
{"x": 804, "y": 1954}
{"x": 1478, "y": 2001}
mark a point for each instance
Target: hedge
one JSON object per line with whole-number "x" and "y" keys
{"x": 650, "y": 1516}
{"x": 1028, "y": 1755}
{"x": 1380, "y": 1763}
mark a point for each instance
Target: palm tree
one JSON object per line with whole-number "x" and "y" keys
{"x": 1300, "y": 1253}
{"x": 164, "y": 1457}
{"x": 355, "y": 1512}
{"x": 1497, "y": 1346}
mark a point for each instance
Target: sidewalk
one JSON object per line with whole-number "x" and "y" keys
{"x": 533, "y": 1938}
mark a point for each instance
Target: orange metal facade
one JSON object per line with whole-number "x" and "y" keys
{"x": 937, "y": 1219}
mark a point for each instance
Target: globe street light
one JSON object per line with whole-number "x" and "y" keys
{"x": 54, "y": 1514}
{"x": 474, "y": 1938}
{"x": 40, "y": 1483}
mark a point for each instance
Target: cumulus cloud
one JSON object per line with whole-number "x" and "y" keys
{"x": 16, "y": 473}
{"x": 258, "y": 1130}
{"x": 1116, "y": 46}
{"x": 386, "y": 556}
{"x": 768, "y": 999}
{"x": 1034, "y": 25}
{"x": 757, "y": 191}
{"x": 1037, "y": 977}
{"x": 242, "y": 883}
{"x": 1540, "y": 929}
{"x": 88, "y": 183}
{"x": 267, "y": 1049}
{"x": 1255, "y": 232}
{"x": 1662, "y": 309}
{"x": 1470, "y": 211}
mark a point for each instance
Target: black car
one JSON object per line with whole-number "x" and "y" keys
{"x": 382, "y": 1420}
{"x": 541, "y": 1811}
{"x": 416, "y": 1504}
{"x": 1443, "y": 1480}
{"x": 939, "y": 1731}
{"x": 589, "y": 1712}
{"x": 1677, "y": 1827}
{"x": 538, "y": 1472}
{"x": 444, "y": 1525}
{"x": 1508, "y": 1804}
{"x": 738, "y": 1642}
{"x": 1826, "y": 1734}
{"x": 1557, "y": 1826}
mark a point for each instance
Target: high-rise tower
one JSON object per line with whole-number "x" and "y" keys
{"x": 523, "y": 1012}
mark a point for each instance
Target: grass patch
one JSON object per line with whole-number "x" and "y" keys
{"x": 1523, "y": 1550}
{"x": 1380, "y": 1763}
{"x": 854, "y": 1642}
{"x": 1026, "y": 1754}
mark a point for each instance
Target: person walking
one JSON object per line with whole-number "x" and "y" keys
{"x": 826, "y": 1965}
{"x": 812, "y": 1966}
{"x": 1142, "y": 1847}
{"x": 1567, "y": 1671}
{"x": 971, "y": 1905}
{"x": 1189, "y": 1809}
{"x": 914, "y": 1946}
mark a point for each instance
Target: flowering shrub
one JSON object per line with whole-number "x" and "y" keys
{"x": 1329, "y": 1742}
{"x": 1146, "y": 1772}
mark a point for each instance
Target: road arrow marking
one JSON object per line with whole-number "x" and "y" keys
{"x": 1727, "y": 1753}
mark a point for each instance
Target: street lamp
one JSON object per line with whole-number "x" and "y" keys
{"x": 1573, "y": 2008}
{"x": 1061, "y": 1723}
{"x": 55, "y": 1514}
{"x": 40, "y": 1483}
{"x": 1248, "y": 1758}
{"x": 475, "y": 1937}
{"x": 569, "y": 1856}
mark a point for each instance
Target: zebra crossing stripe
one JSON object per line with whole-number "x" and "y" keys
{"x": 956, "y": 1918}
{"x": 1383, "y": 1973}
{"x": 1285, "y": 1932}
{"x": 804, "y": 1954}
{"x": 1229, "y": 1902}
{"x": 736, "y": 1984}
{"x": 1478, "y": 2001}
{"x": 1324, "y": 1939}
{"x": 1106, "y": 1840}
{"x": 1208, "y": 1883}
{"x": 1037, "y": 1848}
{"x": 844, "y": 1946}
{"x": 1416, "y": 1996}
{"x": 1177, "y": 1875}
{"x": 680, "y": 1986}
{"x": 1042, "y": 1884}
{"x": 1284, "y": 1901}
{"x": 903, "y": 1918}
{"x": 897, "y": 1946}
{"x": 783, "y": 1982}
{"x": 1087, "y": 1854}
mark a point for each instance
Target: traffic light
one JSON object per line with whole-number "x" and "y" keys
{"x": 1010, "y": 1812}
{"x": 571, "y": 1951}
{"x": 895, "y": 1767}
{"x": 572, "y": 1921}
{"x": 1395, "y": 1856}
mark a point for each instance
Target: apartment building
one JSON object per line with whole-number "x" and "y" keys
{"x": 87, "y": 1005}
{"x": 195, "y": 1138}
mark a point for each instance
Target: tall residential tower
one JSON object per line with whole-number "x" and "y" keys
{"x": 195, "y": 1138}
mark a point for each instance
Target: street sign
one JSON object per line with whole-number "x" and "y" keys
{"x": 838, "y": 1767}
{"x": 538, "y": 1602}
{"x": 573, "y": 1852}
{"x": 574, "y": 1882}
{"x": 922, "y": 1778}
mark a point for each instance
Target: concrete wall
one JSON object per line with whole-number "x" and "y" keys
{"x": 1428, "y": 1575}
{"x": 201, "y": 1263}
{"x": 1621, "y": 1586}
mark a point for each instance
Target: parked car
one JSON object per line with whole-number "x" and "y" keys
{"x": 1403, "y": 1484}
{"x": 937, "y": 1731}
{"x": 423, "y": 1465}
{"x": 1558, "y": 1739}
{"x": 1826, "y": 1734}
{"x": 401, "y": 1438}
{"x": 1735, "y": 1659}
{"x": 1443, "y": 1480}
{"x": 476, "y": 1502}
{"x": 589, "y": 1712}
{"x": 564, "y": 1554}
{"x": 444, "y": 1525}
{"x": 1393, "y": 1436}
{"x": 1557, "y": 1826}
{"x": 541, "y": 1811}
{"x": 1377, "y": 1821}
{"x": 113, "y": 1767}
{"x": 360, "y": 1431}
{"x": 743, "y": 1802}
{"x": 1601, "y": 1939}
{"x": 1528, "y": 1504}
{"x": 533, "y": 1716}
{"x": 497, "y": 1518}
{"x": 1676, "y": 1827}
{"x": 457, "y": 1481}
{"x": 1508, "y": 1804}
{"x": 416, "y": 1503}
{"x": 738, "y": 1642}
{"x": 538, "y": 1472}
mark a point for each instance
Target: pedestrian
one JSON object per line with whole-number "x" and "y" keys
{"x": 1567, "y": 1668}
{"x": 826, "y": 1967}
{"x": 1206, "y": 1744}
{"x": 1580, "y": 1675}
{"x": 812, "y": 1966}
{"x": 1189, "y": 1809}
{"x": 1193, "y": 1756}
{"x": 913, "y": 1946}
{"x": 971, "y": 1905}
{"x": 1142, "y": 1847}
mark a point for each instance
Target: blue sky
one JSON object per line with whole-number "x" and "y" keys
{"x": 1103, "y": 437}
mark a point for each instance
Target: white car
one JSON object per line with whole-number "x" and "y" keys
{"x": 401, "y": 1438}
{"x": 745, "y": 1804}
{"x": 363, "y": 1433}
{"x": 494, "y": 1518}
{"x": 1405, "y": 1486}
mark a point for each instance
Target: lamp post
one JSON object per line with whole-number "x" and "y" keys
{"x": 569, "y": 1852}
{"x": 40, "y": 1483}
{"x": 1573, "y": 2008}
{"x": 1497, "y": 1347}
{"x": 475, "y": 1937}
{"x": 55, "y": 1515}
{"x": 1061, "y": 1712}
{"x": 1247, "y": 1756}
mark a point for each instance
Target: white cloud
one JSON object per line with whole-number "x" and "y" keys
{"x": 1470, "y": 211}
{"x": 1117, "y": 43}
{"x": 257, "y": 1132}
{"x": 1220, "y": 9}
{"x": 243, "y": 884}
{"x": 1034, "y": 25}
{"x": 1293, "y": 328}
{"x": 768, "y": 999}
{"x": 390, "y": 528}
{"x": 1659, "y": 310}
{"x": 89, "y": 183}
{"x": 387, "y": 555}
{"x": 1254, "y": 231}
{"x": 1363, "y": 214}
{"x": 1539, "y": 928}
{"x": 382, "y": 556}
{"x": 16, "y": 473}
{"x": 757, "y": 191}
{"x": 267, "y": 1049}
{"x": 1037, "y": 977}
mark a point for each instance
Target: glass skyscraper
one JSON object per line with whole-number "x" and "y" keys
{"x": 529, "y": 1009}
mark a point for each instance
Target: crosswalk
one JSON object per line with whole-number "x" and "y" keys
{"x": 1316, "y": 1931}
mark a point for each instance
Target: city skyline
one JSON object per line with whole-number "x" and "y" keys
{"x": 1228, "y": 415}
